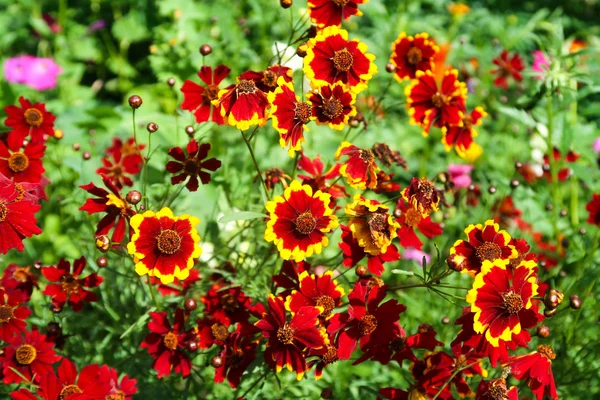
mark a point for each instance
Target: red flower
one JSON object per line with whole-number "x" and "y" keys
{"x": 12, "y": 315}
{"x": 166, "y": 342}
{"x": 438, "y": 368}
{"x": 422, "y": 195}
{"x": 385, "y": 183}
{"x": 288, "y": 277}
{"x": 288, "y": 340}
{"x": 29, "y": 119}
{"x": 192, "y": 165}
{"x": 496, "y": 389}
{"x": 410, "y": 219}
{"x": 353, "y": 253}
{"x": 70, "y": 287}
{"x": 325, "y": 13}
{"x": 316, "y": 291}
{"x": 123, "y": 390}
{"x": 19, "y": 280}
{"x": 536, "y": 369}
{"x": 439, "y": 104}
{"x": 177, "y": 287}
{"x": 316, "y": 179}
{"x": 17, "y": 220}
{"x": 332, "y": 105}
{"x": 411, "y": 54}
{"x": 212, "y": 331}
{"x": 325, "y": 356}
{"x": 239, "y": 351}
{"x": 271, "y": 78}
{"x": 593, "y": 208}
{"x": 118, "y": 212}
{"x": 197, "y": 99}
{"x": 126, "y": 160}
{"x": 360, "y": 170}
{"x": 29, "y": 355}
{"x": 243, "y": 104}
{"x": 366, "y": 319}
{"x": 507, "y": 67}
{"x": 461, "y": 137}
{"x": 230, "y": 304}
{"x": 22, "y": 166}
{"x": 563, "y": 173}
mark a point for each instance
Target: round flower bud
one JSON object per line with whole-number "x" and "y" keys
{"x": 135, "y": 101}
{"x": 574, "y": 302}
{"x": 53, "y": 329}
{"x": 37, "y": 264}
{"x": 285, "y": 3}
{"x": 492, "y": 189}
{"x": 55, "y": 308}
{"x": 190, "y": 130}
{"x": 543, "y": 331}
{"x": 76, "y": 146}
{"x": 58, "y": 134}
{"x": 391, "y": 68}
{"x": 86, "y": 155}
{"x": 553, "y": 298}
{"x": 514, "y": 183}
{"x": 518, "y": 164}
{"x": 192, "y": 346}
{"x": 190, "y": 304}
{"x": 205, "y": 49}
{"x": 453, "y": 265}
{"x": 152, "y": 127}
{"x": 103, "y": 243}
{"x": 217, "y": 361}
{"x": 549, "y": 313}
{"x": 171, "y": 82}
{"x": 549, "y": 207}
{"x": 445, "y": 320}
{"x": 102, "y": 262}
{"x": 133, "y": 197}
{"x": 327, "y": 393}
{"x": 563, "y": 213}
{"x": 361, "y": 270}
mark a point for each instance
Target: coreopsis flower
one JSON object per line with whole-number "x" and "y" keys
{"x": 366, "y": 320}
{"x": 70, "y": 287}
{"x": 164, "y": 245}
{"x": 197, "y": 99}
{"x": 501, "y": 299}
{"x": 92, "y": 382}
{"x": 269, "y": 79}
{"x": 289, "y": 115}
{"x": 12, "y": 314}
{"x": 496, "y": 390}
{"x": 536, "y": 369}
{"x": 389, "y": 157}
{"x": 318, "y": 180}
{"x": 29, "y": 119}
{"x": 354, "y": 253}
{"x": 438, "y": 104}
{"x": 273, "y": 176}
{"x": 30, "y": 355}
{"x": 593, "y": 208}
{"x": 118, "y": 211}
{"x": 332, "y": 105}
{"x": 322, "y": 357}
{"x": 121, "y": 161}
{"x": 288, "y": 340}
{"x": 422, "y": 195}
{"x": 484, "y": 242}
{"x": 21, "y": 280}
{"x": 289, "y": 276}
{"x": 385, "y": 183}
{"x": 242, "y": 104}
{"x": 564, "y": 172}
{"x": 507, "y": 66}
{"x": 124, "y": 389}
{"x": 229, "y": 304}
{"x": 508, "y": 215}
{"x": 325, "y": 13}
{"x": 411, "y": 54}
{"x": 166, "y": 343}
{"x": 22, "y": 163}
{"x": 30, "y": 191}
{"x": 371, "y": 224}
{"x": 239, "y": 351}
{"x": 316, "y": 291}
{"x": 193, "y": 165}
{"x": 333, "y": 59}
{"x": 298, "y": 222}
{"x": 462, "y": 136}
{"x": 17, "y": 218}
{"x": 360, "y": 169}
{"x": 211, "y": 331}
{"x": 410, "y": 219}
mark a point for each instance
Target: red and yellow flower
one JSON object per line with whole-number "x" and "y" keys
{"x": 360, "y": 170}
{"x": 197, "y": 99}
{"x": 411, "y": 219}
{"x": 422, "y": 195}
{"x": 432, "y": 103}
{"x": 242, "y": 104}
{"x": 316, "y": 291}
{"x": 289, "y": 115}
{"x": 318, "y": 180}
{"x": 239, "y": 351}
{"x": 332, "y": 105}
{"x": 12, "y": 314}
{"x": 501, "y": 299}
{"x": 29, "y": 119}
{"x": 536, "y": 369}
{"x": 163, "y": 245}
{"x": 298, "y": 222}
{"x": 229, "y": 304}
{"x": 354, "y": 253}
{"x": 17, "y": 218}
{"x": 411, "y": 54}
{"x": 484, "y": 242}
{"x": 331, "y": 58}
{"x": 22, "y": 163}
{"x": 331, "y": 12}
{"x": 461, "y": 137}
{"x": 268, "y": 80}
{"x": 496, "y": 389}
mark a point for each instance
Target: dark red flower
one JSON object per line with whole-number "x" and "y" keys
{"x": 316, "y": 291}
{"x": 70, "y": 287}
{"x": 271, "y": 78}
{"x": 331, "y": 12}
{"x": 288, "y": 277}
{"x": 197, "y": 99}
{"x": 563, "y": 173}
{"x": 20, "y": 280}
{"x": 29, "y": 119}
{"x": 121, "y": 161}
{"x": 593, "y": 208}
{"x": 353, "y": 253}
{"x": 239, "y": 351}
{"x": 507, "y": 67}
{"x": 230, "y": 304}
{"x": 422, "y": 195}
{"x": 496, "y": 390}
{"x": 17, "y": 219}
{"x": 332, "y": 105}
{"x": 360, "y": 169}
{"x": 22, "y": 164}
{"x": 211, "y": 331}
{"x": 321, "y": 358}
{"x": 193, "y": 165}
{"x": 536, "y": 369}
{"x": 12, "y": 314}
{"x": 410, "y": 219}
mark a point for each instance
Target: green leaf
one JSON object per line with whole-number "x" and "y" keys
{"x": 131, "y": 28}
{"x": 241, "y": 216}
{"x": 141, "y": 321}
{"x": 518, "y": 115}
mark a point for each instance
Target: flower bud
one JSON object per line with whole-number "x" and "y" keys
{"x": 205, "y": 49}
{"x": 574, "y": 302}
{"x": 563, "y": 213}
{"x": 58, "y": 134}
{"x": 53, "y": 329}
{"x": 133, "y": 197}
{"x": 192, "y": 346}
{"x": 553, "y": 298}
{"x": 152, "y": 127}
{"x": 543, "y": 331}
{"x": 86, "y": 155}
{"x": 171, "y": 82}
{"x": 217, "y": 361}
{"x": 514, "y": 183}
{"x": 103, "y": 243}
{"x": 285, "y": 3}
{"x": 190, "y": 304}
{"x": 391, "y": 68}
{"x": 492, "y": 189}
{"x": 301, "y": 51}
{"x": 453, "y": 264}
{"x": 361, "y": 270}
{"x": 549, "y": 313}
{"x": 445, "y": 320}
{"x": 327, "y": 393}
{"x": 190, "y": 130}
{"x": 102, "y": 261}
{"x": 135, "y": 101}
{"x": 76, "y": 146}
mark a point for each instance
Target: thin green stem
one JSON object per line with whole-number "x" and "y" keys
{"x": 258, "y": 171}
{"x": 152, "y": 294}
{"x": 552, "y": 162}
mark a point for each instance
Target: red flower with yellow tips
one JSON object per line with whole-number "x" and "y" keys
{"x": 317, "y": 179}
{"x": 461, "y": 137}
{"x": 287, "y": 341}
{"x": 22, "y": 163}
{"x": 501, "y": 299}
{"x": 411, "y": 54}
{"x": 432, "y": 103}
{"x": 332, "y": 105}
{"x": 298, "y": 222}
{"x": 12, "y": 314}
{"x": 353, "y": 253}
{"x": 163, "y": 245}
{"x": 331, "y": 12}
{"x": 360, "y": 170}
{"x": 289, "y": 115}
{"x": 239, "y": 351}
{"x": 29, "y": 119}
{"x": 484, "y": 242}
{"x": 17, "y": 218}
{"x": 410, "y": 219}
{"x": 197, "y": 99}
{"x": 316, "y": 291}
{"x": 536, "y": 369}
{"x": 331, "y": 59}
{"x": 269, "y": 79}
{"x": 422, "y": 195}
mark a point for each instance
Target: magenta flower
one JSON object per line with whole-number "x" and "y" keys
{"x": 37, "y": 73}
{"x": 16, "y": 68}
{"x": 596, "y": 145}
{"x": 416, "y": 255}
{"x": 540, "y": 64}
{"x": 460, "y": 175}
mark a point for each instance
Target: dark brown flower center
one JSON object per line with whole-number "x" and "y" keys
{"x": 341, "y": 3}
{"x": 20, "y": 274}
{"x": 69, "y": 390}
{"x": 342, "y": 60}
{"x": 513, "y": 303}
{"x": 515, "y": 262}
{"x": 305, "y": 223}
{"x": 367, "y": 155}
{"x": 69, "y": 283}
{"x": 25, "y": 354}
{"x": 170, "y": 340}
{"x": 229, "y": 302}
{"x": 378, "y": 222}
{"x": 21, "y": 192}
{"x": 330, "y": 355}
{"x": 302, "y": 112}
{"x": 497, "y": 390}
{"x": 412, "y": 217}
{"x": 285, "y": 334}
{"x": 116, "y": 170}
{"x": 120, "y": 395}
{"x": 397, "y": 345}
{"x": 332, "y": 108}
{"x": 191, "y": 166}
{"x": 33, "y": 117}
{"x": 546, "y": 351}
{"x": 168, "y": 242}
{"x": 3, "y": 211}
{"x": 211, "y": 92}
{"x": 219, "y": 331}
{"x": 236, "y": 357}
{"x": 269, "y": 79}
{"x": 488, "y": 251}
{"x": 6, "y": 313}
{"x": 367, "y": 324}
{"x": 439, "y": 100}
{"x": 467, "y": 122}
{"x": 414, "y": 55}
{"x": 327, "y": 303}
{"x": 246, "y": 86}
{"x": 18, "y": 162}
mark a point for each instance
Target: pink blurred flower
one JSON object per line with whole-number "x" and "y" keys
{"x": 596, "y": 145}
{"x": 416, "y": 255}
{"x": 460, "y": 174}
{"x": 16, "y": 68}
{"x": 540, "y": 64}
{"x": 37, "y": 73}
